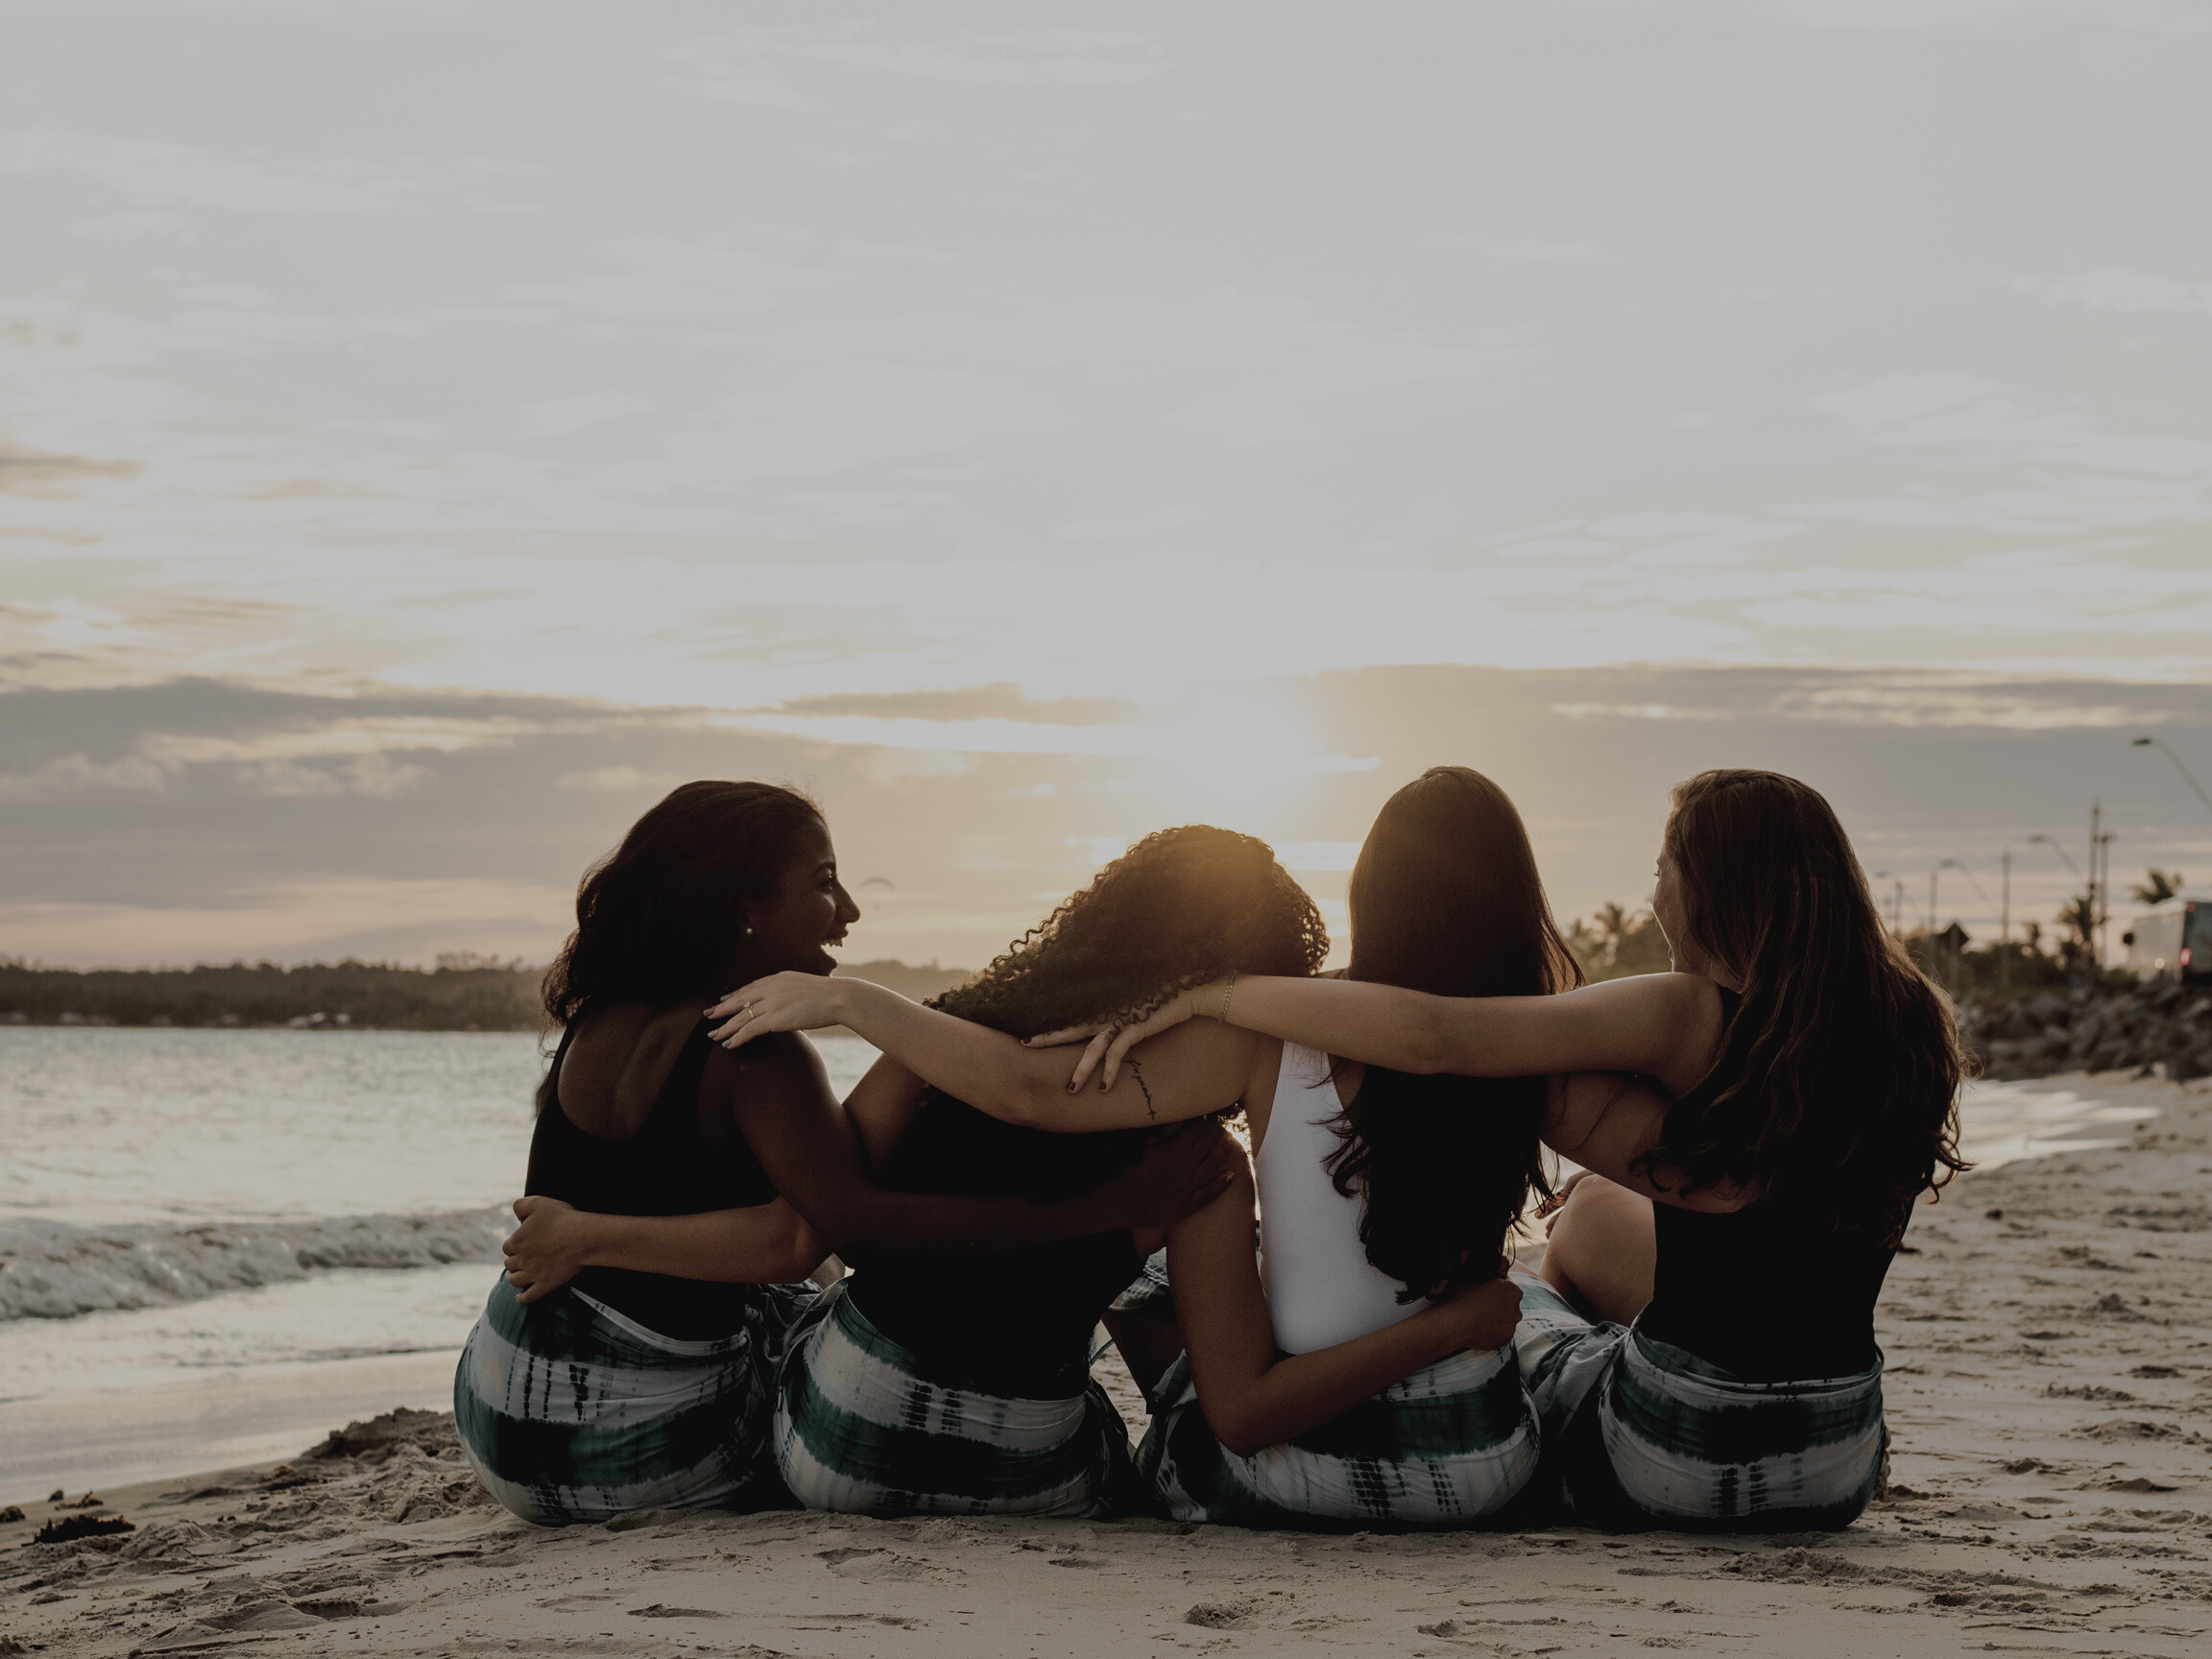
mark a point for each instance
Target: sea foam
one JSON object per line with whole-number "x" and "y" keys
{"x": 50, "y": 1270}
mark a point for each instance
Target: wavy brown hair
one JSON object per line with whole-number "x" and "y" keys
{"x": 655, "y": 918}
{"x": 1836, "y": 1086}
{"x": 1179, "y": 908}
{"x": 1445, "y": 898}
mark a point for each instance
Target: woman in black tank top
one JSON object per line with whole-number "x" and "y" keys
{"x": 1742, "y": 1219}
{"x": 592, "y": 1386}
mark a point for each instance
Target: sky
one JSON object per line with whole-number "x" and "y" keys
{"x": 428, "y": 433}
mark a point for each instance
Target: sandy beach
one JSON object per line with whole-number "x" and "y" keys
{"x": 2049, "y": 1349}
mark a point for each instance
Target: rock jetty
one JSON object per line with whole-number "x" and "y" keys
{"x": 2158, "y": 1028}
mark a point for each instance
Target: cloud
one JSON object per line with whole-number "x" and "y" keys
{"x": 183, "y": 176}
{"x": 565, "y": 414}
{"x": 1528, "y": 252}
{"x": 1114, "y": 529}
{"x": 2133, "y": 16}
{"x": 521, "y": 794}
{"x": 712, "y": 276}
{"x": 2064, "y": 462}
{"x": 333, "y": 756}
{"x": 2114, "y": 289}
{"x": 618, "y": 781}
{"x": 1024, "y": 57}
{"x": 1181, "y": 738}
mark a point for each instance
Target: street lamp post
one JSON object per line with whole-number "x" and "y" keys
{"x": 2187, "y": 776}
{"x": 2064, "y": 856}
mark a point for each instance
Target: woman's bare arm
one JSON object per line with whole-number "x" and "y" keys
{"x": 1611, "y": 1125}
{"x": 782, "y": 1103}
{"x": 881, "y": 1106}
{"x": 762, "y": 1244}
{"x": 1251, "y": 1399}
{"x": 1188, "y": 1075}
{"x": 1662, "y": 1026}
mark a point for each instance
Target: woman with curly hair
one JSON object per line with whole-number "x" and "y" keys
{"x": 642, "y": 1376}
{"x": 1312, "y": 1395}
{"x": 1701, "y": 1340}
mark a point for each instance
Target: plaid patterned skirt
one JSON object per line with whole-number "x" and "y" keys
{"x": 861, "y": 1427}
{"x": 570, "y": 1411}
{"x": 1447, "y": 1447}
{"x": 1640, "y": 1433}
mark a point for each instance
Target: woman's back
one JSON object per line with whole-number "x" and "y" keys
{"x": 681, "y": 1154}
{"x": 952, "y": 1311}
{"x": 1321, "y": 1288}
{"x": 1808, "y": 1287}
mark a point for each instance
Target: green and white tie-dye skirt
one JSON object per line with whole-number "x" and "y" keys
{"x": 1640, "y": 1433}
{"x": 571, "y": 1411}
{"x": 862, "y": 1428}
{"x": 1450, "y": 1446}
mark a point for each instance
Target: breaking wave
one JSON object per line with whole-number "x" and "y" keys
{"x": 49, "y": 1271}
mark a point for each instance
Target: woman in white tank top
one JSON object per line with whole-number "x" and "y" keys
{"x": 1366, "y": 1376}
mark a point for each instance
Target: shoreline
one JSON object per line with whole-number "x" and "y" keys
{"x": 2049, "y": 1336}
{"x": 176, "y": 1430}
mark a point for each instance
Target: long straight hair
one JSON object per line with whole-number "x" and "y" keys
{"x": 1445, "y": 899}
{"x": 1837, "y": 1084}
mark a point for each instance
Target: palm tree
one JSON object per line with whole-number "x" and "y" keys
{"x": 1612, "y": 926}
{"x": 2161, "y": 886}
{"x": 2080, "y": 920}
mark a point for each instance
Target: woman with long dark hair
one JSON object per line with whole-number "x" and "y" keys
{"x": 1701, "y": 1340}
{"x": 1385, "y": 1198}
{"x": 647, "y": 1381}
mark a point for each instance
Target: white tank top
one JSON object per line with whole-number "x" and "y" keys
{"x": 1321, "y": 1291}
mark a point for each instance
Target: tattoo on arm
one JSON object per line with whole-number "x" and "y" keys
{"x": 1137, "y": 1071}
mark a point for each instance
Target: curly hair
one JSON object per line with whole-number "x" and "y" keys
{"x": 1445, "y": 898}
{"x": 1837, "y": 1084}
{"x": 1179, "y": 908}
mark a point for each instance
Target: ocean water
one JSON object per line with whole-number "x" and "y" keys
{"x": 179, "y": 1203}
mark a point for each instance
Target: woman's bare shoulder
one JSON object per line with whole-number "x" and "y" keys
{"x": 780, "y": 1061}
{"x": 615, "y": 1065}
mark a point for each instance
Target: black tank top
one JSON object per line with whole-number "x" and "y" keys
{"x": 1761, "y": 1293}
{"x": 1016, "y": 1323}
{"x": 668, "y": 1167}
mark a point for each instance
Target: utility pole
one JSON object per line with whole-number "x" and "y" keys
{"x": 2104, "y": 893}
{"x": 2094, "y": 942}
{"x": 2005, "y": 924}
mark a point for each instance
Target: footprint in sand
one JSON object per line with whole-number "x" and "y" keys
{"x": 881, "y": 1566}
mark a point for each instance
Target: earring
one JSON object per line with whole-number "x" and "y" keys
{"x": 748, "y": 932}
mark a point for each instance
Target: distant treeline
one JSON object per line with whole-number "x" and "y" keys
{"x": 462, "y": 992}
{"x": 1616, "y": 943}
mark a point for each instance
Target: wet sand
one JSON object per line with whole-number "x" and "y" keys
{"x": 2049, "y": 1345}
{"x": 235, "y": 1416}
